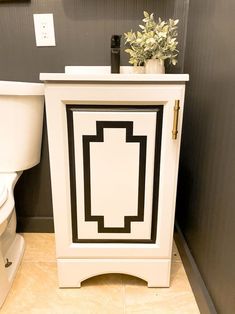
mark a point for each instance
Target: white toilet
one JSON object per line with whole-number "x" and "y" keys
{"x": 21, "y": 119}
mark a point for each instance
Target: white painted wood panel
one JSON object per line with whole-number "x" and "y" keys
{"x": 114, "y": 173}
{"x": 57, "y": 96}
{"x": 72, "y": 272}
{"x": 114, "y": 177}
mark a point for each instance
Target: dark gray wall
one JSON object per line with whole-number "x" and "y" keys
{"x": 82, "y": 29}
{"x": 206, "y": 192}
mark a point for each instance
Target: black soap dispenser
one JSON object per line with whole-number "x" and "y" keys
{"x": 115, "y": 53}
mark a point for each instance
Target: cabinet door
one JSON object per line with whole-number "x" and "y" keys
{"x": 114, "y": 158}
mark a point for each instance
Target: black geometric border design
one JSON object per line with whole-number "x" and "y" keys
{"x": 142, "y": 140}
{"x": 70, "y": 109}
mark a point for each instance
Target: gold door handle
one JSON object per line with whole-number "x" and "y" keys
{"x": 176, "y": 118}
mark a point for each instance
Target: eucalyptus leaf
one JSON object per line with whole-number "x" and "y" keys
{"x": 146, "y": 14}
{"x": 155, "y": 40}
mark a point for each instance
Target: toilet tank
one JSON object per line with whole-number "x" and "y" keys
{"x": 21, "y": 121}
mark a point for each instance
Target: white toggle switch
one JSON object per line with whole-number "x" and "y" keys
{"x": 44, "y": 29}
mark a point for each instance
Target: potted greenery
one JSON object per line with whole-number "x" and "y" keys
{"x": 154, "y": 44}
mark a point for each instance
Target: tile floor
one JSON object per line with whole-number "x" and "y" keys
{"x": 35, "y": 288}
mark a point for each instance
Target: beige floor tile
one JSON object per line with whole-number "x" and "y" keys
{"x": 35, "y": 290}
{"x": 39, "y": 247}
{"x": 175, "y": 253}
{"x": 176, "y": 299}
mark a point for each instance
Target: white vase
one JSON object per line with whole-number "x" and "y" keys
{"x": 154, "y": 66}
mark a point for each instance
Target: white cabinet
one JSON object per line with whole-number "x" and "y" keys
{"x": 114, "y": 163}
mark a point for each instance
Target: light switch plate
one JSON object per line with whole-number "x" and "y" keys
{"x": 44, "y": 29}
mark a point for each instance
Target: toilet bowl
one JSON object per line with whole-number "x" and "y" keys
{"x": 21, "y": 118}
{"x": 3, "y": 198}
{"x": 7, "y": 209}
{"x": 11, "y": 244}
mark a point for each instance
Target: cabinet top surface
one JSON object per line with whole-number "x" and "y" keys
{"x": 102, "y": 74}
{"x": 66, "y": 77}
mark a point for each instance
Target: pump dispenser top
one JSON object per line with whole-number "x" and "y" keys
{"x": 115, "y": 53}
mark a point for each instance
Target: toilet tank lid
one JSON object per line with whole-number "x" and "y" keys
{"x": 21, "y": 88}
{"x": 3, "y": 192}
